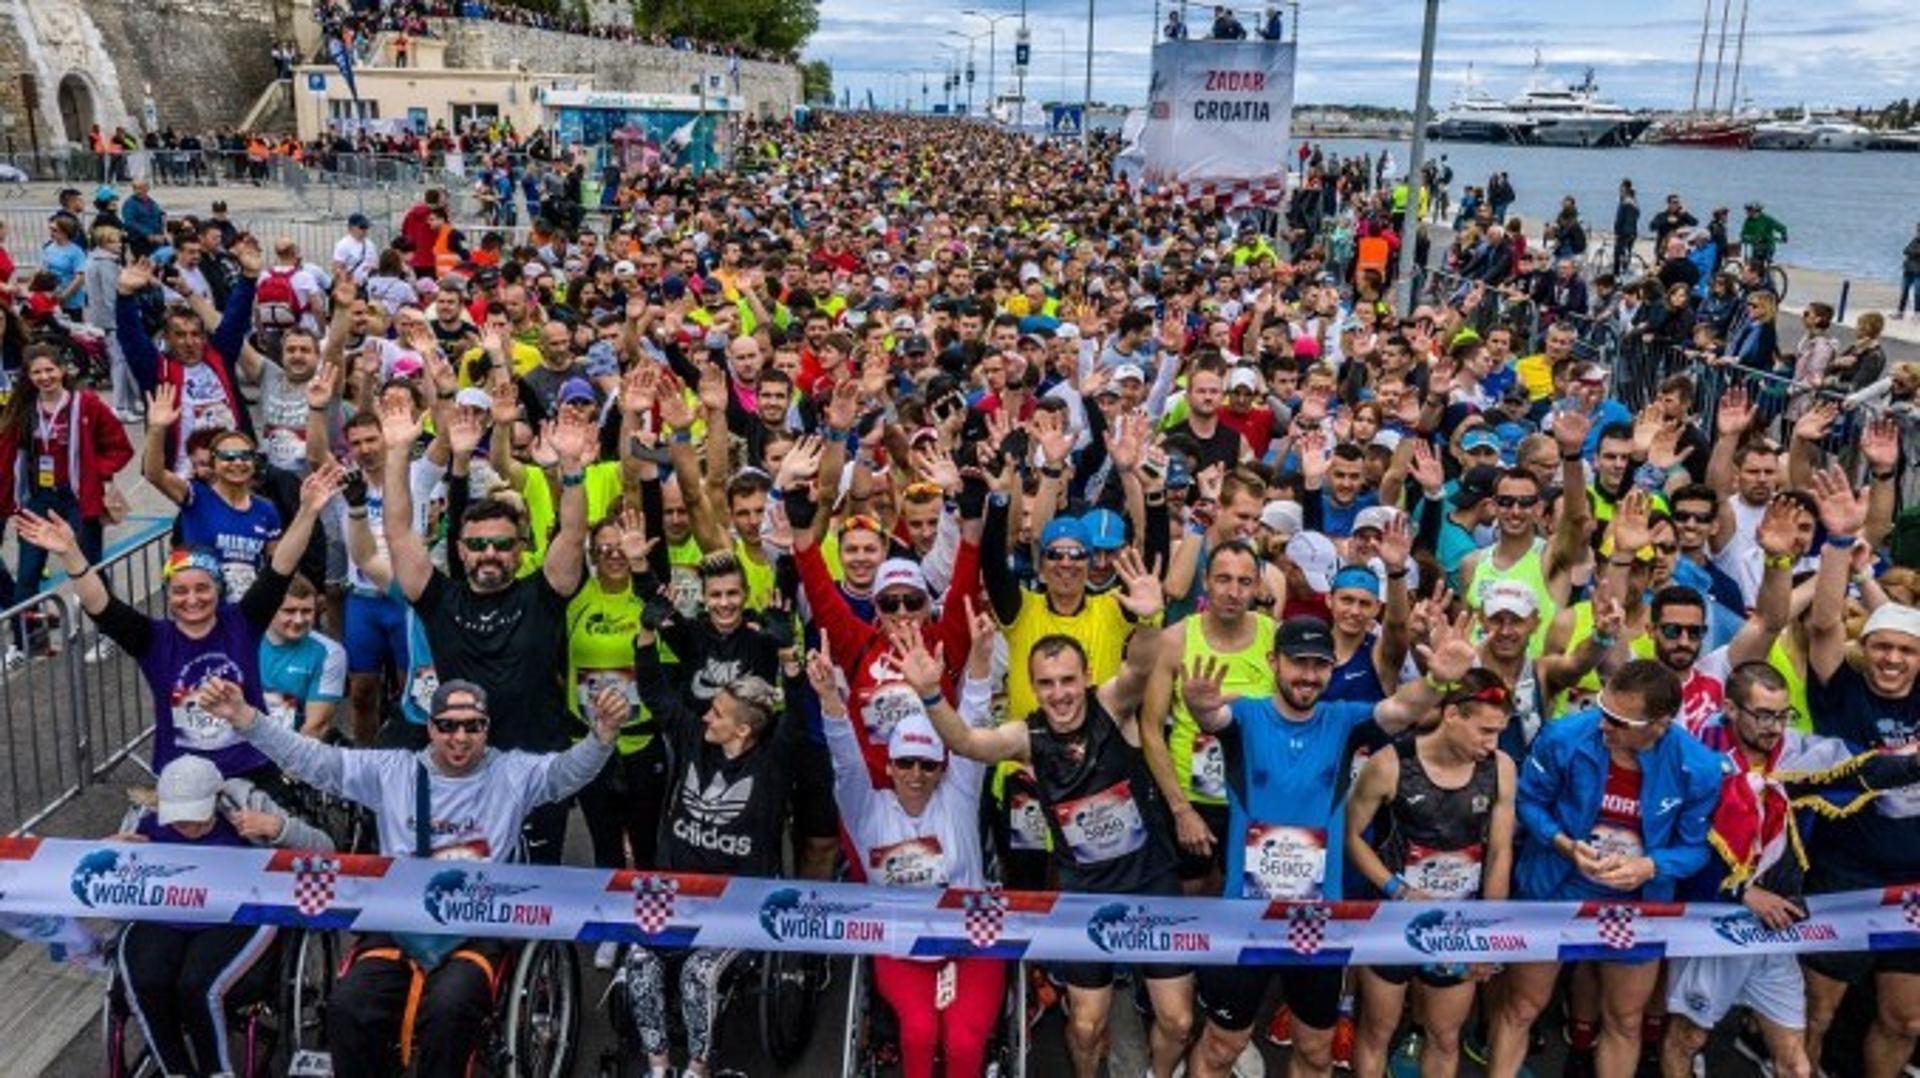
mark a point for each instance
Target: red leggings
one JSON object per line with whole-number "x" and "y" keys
{"x": 958, "y": 1034}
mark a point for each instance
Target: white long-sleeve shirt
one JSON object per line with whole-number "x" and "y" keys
{"x": 938, "y": 848}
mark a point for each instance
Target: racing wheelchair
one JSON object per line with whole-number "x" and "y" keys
{"x": 275, "y": 1031}
{"x": 783, "y": 986}
{"x": 870, "y": 1050}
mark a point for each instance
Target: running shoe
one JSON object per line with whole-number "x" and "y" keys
{"x": 1280, "y": 1030}
{"x": 1343, "y": 1043}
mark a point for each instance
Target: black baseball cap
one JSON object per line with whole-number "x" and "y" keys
{"x": 443, "y": 697}
{"x": 1304, "y": 638}
{"x": 1476, "y": 485}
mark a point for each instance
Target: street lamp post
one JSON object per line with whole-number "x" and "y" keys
{"x": 971, "y": 40}
{"x": 1086, "y": 97}
{"x": 1410, "y": 216}
{"x": 993, "y": 24}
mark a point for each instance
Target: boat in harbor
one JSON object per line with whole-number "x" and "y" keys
{"x": 1810, "y": 132}
{"x": 1907, "y": 141}
{"x": 1705, "y": 132}
{"x": 1576, "y": 115}
{"x": 1477, "y": 116}
{"x": 1783, "y": 135}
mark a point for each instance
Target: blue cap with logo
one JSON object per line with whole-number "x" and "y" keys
{"x": 1105, "y": 530}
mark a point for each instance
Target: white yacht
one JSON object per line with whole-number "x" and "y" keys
{"x": 1843, "y": 136}
{"x": 1810, "y": 132}
{"x": 1576, "y": 115}
{"x": 1477, "y": 116}
{"x": 1782, "y": 135}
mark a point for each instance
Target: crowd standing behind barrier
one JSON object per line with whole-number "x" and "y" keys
{"x": 1239, "y": 521}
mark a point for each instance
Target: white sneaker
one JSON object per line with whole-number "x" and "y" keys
{"x": 101, "y": 650}
{"x": 16, "y": 659}
{"x": 605, "y": 955}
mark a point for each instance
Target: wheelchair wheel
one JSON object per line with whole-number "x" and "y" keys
{"x": 116, "y": 1028}
{"x": 543, "y": 1011}
{"x": 855, "y": 1049}
{"x": 306, "y": 980}
{"x": 790, "y": 987}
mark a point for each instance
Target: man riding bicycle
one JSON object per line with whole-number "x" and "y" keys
{"x": 455, "y": 800}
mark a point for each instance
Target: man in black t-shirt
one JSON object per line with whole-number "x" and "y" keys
{"x": 1215, "y": 442}
{"x": 485, "y": 624}
{"x": 1867, "y": 700}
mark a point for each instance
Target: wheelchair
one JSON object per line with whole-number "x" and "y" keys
{"x": 783, "y": 986}
{"x": 274, "y": 1032}
{"x": 871, "y": 1029}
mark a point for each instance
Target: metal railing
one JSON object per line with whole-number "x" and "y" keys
{"x": 78, "y": 707}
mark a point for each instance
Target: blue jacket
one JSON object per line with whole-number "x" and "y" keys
{"x": 1559, "y": 793}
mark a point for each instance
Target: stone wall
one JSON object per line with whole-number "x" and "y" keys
{"x": 770, "y": 89}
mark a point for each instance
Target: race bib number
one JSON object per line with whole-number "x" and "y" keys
{"x": 282, "y": 708}
{"x": 1284, "y": 862}
{"x": 683, "y": 590}
{"x": 1619, "y": 841}
{"x": 285, "y": 447}
{"x": 886, "y": 707}
{"x": 1026, "y": 823}
{"x": 915, "y": 862}
{"x": 198, "y": 730}
{"x": 593, "y": 682}
{"x": 1209, "y": 767}
{"x": 1102, "y": 826}
{"x": 1443, "y": 873}
{"x": 239, "y": 577}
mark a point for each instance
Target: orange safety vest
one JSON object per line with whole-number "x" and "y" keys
{"x": 1372, "y": 254}
{"x": 445, "y": 261}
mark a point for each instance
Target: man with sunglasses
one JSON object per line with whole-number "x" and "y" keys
{"x": 1773, "y": 766}
{"x": 1615, "y": 806}
{"x": 484, "y": 622}
{"x": 478, "y": 798}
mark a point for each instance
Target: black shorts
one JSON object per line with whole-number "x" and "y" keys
{"x": 1100, "y": 974}
{"x": 815, "y": 814}
{"x": 1830, "y": 874}
{"x": 1194, "y": 867}
{"x": 1230, "y": 996}
{"x": 1431, "y": 976}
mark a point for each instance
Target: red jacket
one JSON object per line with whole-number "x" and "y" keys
{"x": 417, "y": 232}
{"x": 862, "y": 652}
{"x": 97, "y": 449}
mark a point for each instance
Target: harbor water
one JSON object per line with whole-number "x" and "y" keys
{"x": 1845, "y": 213}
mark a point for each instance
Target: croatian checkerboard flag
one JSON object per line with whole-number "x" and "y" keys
{"x": 653, "y": 901}
{"x": 1616, "y": 926}
{"x": 986, "y": 917}
{"x": 1307, "y": 928}
{"x": 313, "y": 882}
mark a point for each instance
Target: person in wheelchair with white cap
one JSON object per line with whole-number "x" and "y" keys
{"x": 182, "y": 980}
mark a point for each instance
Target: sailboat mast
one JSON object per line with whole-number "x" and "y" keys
{"x": 1739, "y": 55}
{"x": 1700, "y": 59}
{"x": 1721, "y": 56}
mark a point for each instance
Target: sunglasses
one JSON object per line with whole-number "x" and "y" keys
{"x": 480, "y": 544}
{"x": 1781, "y": 718}
{"x": 608, "y": 552}
{"x": 231, "y": 456}
{"x": 1516, "y": 501}
{"x": 1615, "y": 719}
{"x": 1676, "y": 632}
{"x": 914, "y": 763}
{"x": 1693, "y": 518}
{"x": 1064, "y": 554}
{"x": 910, "y": 602}
{"x": 460, "y": 726}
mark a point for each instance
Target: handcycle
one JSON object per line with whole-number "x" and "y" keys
{"x": 784, "y": 987}
{"x": 275, "y": 1032}
{"x": 869, "y": 1027}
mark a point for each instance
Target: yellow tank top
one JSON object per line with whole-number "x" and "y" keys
{"x": 1197, "y": 758}
{"x": 1640, "y": 646}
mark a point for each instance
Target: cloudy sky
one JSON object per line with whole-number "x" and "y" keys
{"x": 1840, "y": 53}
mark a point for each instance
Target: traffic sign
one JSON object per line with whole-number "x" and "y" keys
{"x": 1065, "y": 120}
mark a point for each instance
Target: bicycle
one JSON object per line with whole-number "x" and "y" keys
{"x": 1776, "y": 275}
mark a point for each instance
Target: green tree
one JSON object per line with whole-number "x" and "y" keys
{"x": 781, "y": 25}
{"x": 816, "y": 80}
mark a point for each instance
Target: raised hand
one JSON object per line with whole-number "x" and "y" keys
{"x": 136, "y": 276}
{"x": 1049, "y": 430}
{"x": 464, "y": 428}
{"x": 1880, "y": 444}
{"x": 1814, "y": 424}
{"x": 843, "y": 405}
{"x": 1666, "y": 451}
{"x": 674, "y": 410}
{"x": 1396, "y": 543}
{"x": 506, "y": 402}
{"x": 1842, "y": 510}
{"x": 1200, "y": 685}
{"x": 1312, "y": 447}
{"x": 1449, "y": 652}
{"x": 572, "y": 439}
{"x": 1609, "y": 618}
{"x": 1632, "y": 527}
{"x": 713, "y": 389}
{"x": 1779, "y": 531}
{"x": 981, "y": 628}
{"x": 50, "y": 533}
{"x": 825, "y": 679}
{"x": 611, "y": 709}
{"x": 1142, "y": 595}
{"x": 225, "y": 700}
{"x": 163, "y": 405}
{"x": 1570, "y": 430}
{"x": 320, "y": 387}
{"x": 320, "y": 485}
{"x": 801, "y": 464}
{"x": 936, "y": 467}
{"x": 1736, "y": 413}
{"x": 921, "y": 668}
{"x": 635, "y": 543}
{"x": 1426, "y": 468}
{"x": 638, "y": 386}
{"x": 398, "y": 425}
{"x": 252, "y": 260}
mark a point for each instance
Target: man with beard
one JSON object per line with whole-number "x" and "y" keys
{"x": 1761, "y": 866}
{"x": 1519, "y": 555}
{"x": 1286, "y": 793}
{"x": 506, "y": 634}
{"x": 1864, "y": 696}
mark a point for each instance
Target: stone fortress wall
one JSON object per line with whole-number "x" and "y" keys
{"x": 203, "y": 63}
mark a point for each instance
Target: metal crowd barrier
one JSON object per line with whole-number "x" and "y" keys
{"x": 78, "y": 707}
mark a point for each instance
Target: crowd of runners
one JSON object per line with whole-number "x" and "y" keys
{"x": 923, "y": 508}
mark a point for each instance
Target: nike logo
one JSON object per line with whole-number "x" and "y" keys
{"x": 1416, "y": 799}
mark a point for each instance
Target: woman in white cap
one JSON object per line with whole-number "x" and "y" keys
{"x": 181, "y": 979}
{"x": 922, "y": 832}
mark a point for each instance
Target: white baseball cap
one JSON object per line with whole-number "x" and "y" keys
{"x": 914, "y": 738}
{"x": 1283, "y": 517}
{"x": 1892, "y": 617}
{"x": 188, "y": 788}
{"x": 1318, "y": 560}
{"x": 1376, "y": 517}
{"x": 1509, "y": 597}
{"x": 900, "y": 573}
{"x": 1243, "y": 378}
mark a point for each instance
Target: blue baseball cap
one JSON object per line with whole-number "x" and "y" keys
{"x": 1105, "y": 530}
{"x": 1067, "y": 528}
{"x": 1480, "y": 438}
{"x": 578, "y": 389}
{"x": 1358, "y": 577}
